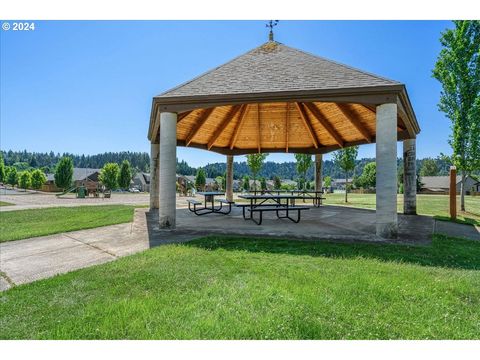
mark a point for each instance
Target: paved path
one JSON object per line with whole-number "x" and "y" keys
{"x": 24, "y": 261}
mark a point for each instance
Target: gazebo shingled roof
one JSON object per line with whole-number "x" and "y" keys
{"x": 278, "y": 99}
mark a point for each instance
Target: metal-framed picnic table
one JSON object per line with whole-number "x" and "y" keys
{"x": 209, "y": 204}
{"x": 315, "y": 195}
{"x": 269, "y": 202}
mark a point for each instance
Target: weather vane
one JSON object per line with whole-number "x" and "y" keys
{"x": 270, "y": 25}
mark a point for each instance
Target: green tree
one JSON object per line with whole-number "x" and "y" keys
{"x": 327, "y": 182}
{"x": 109, "y": 175}
{"x": 2, "y": 170}
{"x": 429, "y": 167}
{"x": 345, "y": 159}
{"x": 255, "y": 163}
{"x": 304, "y": 162}
{"x": 125, "y": 175}
{"x": 263, "y": 183}
{"x": 12, "y": 175}
{"x": 221, "y": 183}
{"x": 458, "y": 70}
{"x": 200, "y": 179}
{"x": 64, "y": 173}
{"x": 24, "y": 180}
{"x": 277, "y": 183}
{"x": 38, "y": 179}
{"x": 246, "y": 183}
{"x": 369, "y": 176}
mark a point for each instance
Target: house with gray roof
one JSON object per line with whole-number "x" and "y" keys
{"x": 441, "y": 184}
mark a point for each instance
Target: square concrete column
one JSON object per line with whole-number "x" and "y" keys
{"x": 168, "y": 167}
{"x": 154, "y": 175}
{"x": 229, "y": 179}
{"x": 318, "y": 172}
{"x": 386, "y": 158}
{"x": 409, "y": 177}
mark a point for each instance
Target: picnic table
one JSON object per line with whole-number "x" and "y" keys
{"x": 315, "y": 195}
{"x": 279, "y": 203}
{"x": 209, "y": 204}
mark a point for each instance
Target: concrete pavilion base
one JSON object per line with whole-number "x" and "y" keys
{"x": 325, "y": 223}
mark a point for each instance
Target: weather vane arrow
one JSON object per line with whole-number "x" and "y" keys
{"x": 270, "y": 25}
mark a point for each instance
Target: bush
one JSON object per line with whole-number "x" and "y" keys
{"x": 109, "y": 175}
{"x": 38, "y": 178}
{"x": 24, "y": 180}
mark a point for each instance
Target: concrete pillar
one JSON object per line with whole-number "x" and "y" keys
{"x": 409, "y": 177}
{"x": 318, "y": 172}
{"x": 154, "y": 175}
{"x": 229, "y": 179}
{"x": 386, "y": 158}
{"x": 168, "y": 166}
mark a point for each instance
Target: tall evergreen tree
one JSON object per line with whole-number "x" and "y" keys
{"x": 200, "y": 180}
{"x": 64, "y": 173}
{"x": 125, "y": 175}
{"x": 458, "y": 70}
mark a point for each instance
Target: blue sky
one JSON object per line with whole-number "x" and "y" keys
{"x": 87, "y": 86}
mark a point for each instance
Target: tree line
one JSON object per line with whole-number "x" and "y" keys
{"x": 24, "y": 160}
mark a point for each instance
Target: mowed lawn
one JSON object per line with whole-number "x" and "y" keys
{"x": 432, "y": 205}
{"x": 21, "y": 224}
{"x": 245, "y": 288}
{"x": 4, "y": 203}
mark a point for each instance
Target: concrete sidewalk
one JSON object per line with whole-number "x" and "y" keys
{"x": 24, "y": 261}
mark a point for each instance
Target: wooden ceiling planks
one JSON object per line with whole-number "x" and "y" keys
{"x": 203, "y": 118}
{"x": 279, "y": 126}
{"x": 347, "y": 112}
{"x": 226, "y": 120}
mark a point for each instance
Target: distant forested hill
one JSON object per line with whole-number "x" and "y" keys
{"x": 25, "y": 159}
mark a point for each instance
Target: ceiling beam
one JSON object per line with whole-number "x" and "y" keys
{"x": 226, "y": 120}
{"x": 354, "y": 121}
{"x": 196, "y": 128}
{"x": 326, "y": 125}
{"x": 306, "y": 122}
{"x": 183, "y": 115}
{"x": 236, "y": 131}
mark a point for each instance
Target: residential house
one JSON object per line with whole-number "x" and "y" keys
{"x": 441, "y": 184}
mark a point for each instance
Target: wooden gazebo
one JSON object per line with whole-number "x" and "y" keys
{"x": 278, "y": 99}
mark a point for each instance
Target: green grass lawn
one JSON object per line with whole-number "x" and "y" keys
{"x": 4, "y": 203}
{"x": 235, "y": 288}
{"x": 432, "y": 205}
{"x": 23, "y": 224}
